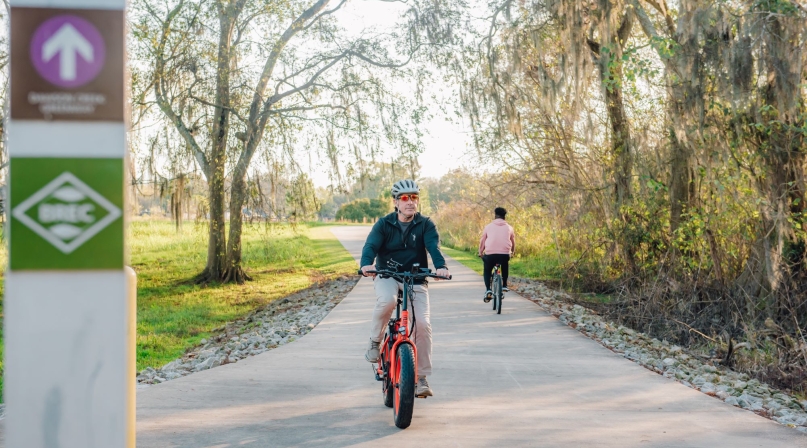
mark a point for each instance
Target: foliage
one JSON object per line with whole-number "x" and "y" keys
{"x": 364, "y": 210}
{"x": 302, "y": 200}
{"x": 371, "y": 180}
{"x": 233, "y": 79}
{"x": 654, "y": 150}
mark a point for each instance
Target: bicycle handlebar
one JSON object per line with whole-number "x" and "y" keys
{"x": 418, "y": 275}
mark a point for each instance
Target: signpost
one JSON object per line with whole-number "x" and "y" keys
{"x": 69, "y": 302}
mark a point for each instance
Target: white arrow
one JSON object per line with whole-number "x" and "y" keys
{"x": 67, "y": 42}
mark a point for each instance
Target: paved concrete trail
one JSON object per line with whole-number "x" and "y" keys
{"x": 516, "y": 379}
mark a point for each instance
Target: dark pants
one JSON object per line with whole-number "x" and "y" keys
{"x": 492, "y": 260}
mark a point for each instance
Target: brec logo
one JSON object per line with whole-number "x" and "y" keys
{"x": 66, "y": 212}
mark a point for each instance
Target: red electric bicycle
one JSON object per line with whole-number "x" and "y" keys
{"x": 397, "y": 363}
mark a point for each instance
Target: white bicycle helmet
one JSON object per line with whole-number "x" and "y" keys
{"x": 403, "y": 187}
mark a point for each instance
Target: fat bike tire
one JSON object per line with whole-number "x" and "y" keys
{"x": 404, "y": 395}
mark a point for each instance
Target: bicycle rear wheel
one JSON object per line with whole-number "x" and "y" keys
{"x": 494, "y": 288}
{"x": 499, "y": 294}
{"x": 404, "y": 395}
{"x": 386, "y": 385}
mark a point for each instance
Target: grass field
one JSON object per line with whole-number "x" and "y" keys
{"x": 532, "y": 268}
{"x": 537, "y": 268}
{"x": 173, "y": 314}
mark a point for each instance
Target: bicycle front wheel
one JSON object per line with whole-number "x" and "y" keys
{"x": 405, "y": 389}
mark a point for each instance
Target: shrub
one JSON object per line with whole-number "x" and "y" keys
{"x": 361, "y": 209}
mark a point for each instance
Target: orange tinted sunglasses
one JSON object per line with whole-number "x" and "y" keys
{"x": 407, "y": 197}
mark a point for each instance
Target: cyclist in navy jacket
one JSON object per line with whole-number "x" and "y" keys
{"x": 398, "y": 241}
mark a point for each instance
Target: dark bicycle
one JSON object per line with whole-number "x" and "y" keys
{"x": 496, "y": 288}
{"x": 397, "y": 362}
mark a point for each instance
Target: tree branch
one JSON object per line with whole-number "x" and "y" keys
{"x": 160, "y": 94}
{"x": 661, "y": 7}
{"x": 648, "y": 28}
{"x": 271, "y": 61}
{"x": 208, "y": 103}
{"x": 324, "y": 13}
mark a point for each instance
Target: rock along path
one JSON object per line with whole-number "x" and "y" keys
{"x": 521, "y": 378}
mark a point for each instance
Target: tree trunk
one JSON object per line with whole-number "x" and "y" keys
{"x": 684, "y": 96}
{"x": 621, "y": 149}
{"x": 216, "y": 253}
{"x": 610, "y": 68}
{"x": 682, "y": 182}
{"x": 780, "y": 249}
{"x": 235, "y": 272}
{"x": 686, "y": 104}
{"x": 216, "y": 250}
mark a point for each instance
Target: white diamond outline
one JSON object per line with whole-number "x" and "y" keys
{"x": 66, "y": 177}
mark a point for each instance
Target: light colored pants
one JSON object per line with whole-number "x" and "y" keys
{"x": 386, "y": 291}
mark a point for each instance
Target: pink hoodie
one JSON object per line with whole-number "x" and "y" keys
{"x": 498, "y": 238}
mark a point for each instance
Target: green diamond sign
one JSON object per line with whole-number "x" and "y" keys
{"x": 66, "y": 213}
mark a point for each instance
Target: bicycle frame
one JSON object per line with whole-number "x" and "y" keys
{"x": 398, "y": 333}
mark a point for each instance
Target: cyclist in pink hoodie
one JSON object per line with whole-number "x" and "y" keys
{"x": 498, "y": 243}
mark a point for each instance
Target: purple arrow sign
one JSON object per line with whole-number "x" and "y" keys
{"x": 67, "y": 51}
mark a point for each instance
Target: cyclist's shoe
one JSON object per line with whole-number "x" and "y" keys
{"x": 371, "y": 355}
{"x": 488, "y": 296}
{"x": 506, "y": 289}
{"x": 423, "y": 390}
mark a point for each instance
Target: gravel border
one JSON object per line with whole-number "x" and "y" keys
{"x": 278, "y": 323}
{"x": 668, "y": 360}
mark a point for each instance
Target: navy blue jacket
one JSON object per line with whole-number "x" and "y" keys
{"x": 388, "y": 242}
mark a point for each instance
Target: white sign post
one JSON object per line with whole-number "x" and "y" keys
{"x": 69, "y": 299}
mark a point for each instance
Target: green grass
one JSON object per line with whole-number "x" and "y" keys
{"x": 527, "y": 267}
{"x": 547, "y": 270}
{"x": 173, "y": 314}
{"x": 467, "y": 259}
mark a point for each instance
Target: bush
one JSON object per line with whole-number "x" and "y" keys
{"x": 361, "y": 209}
